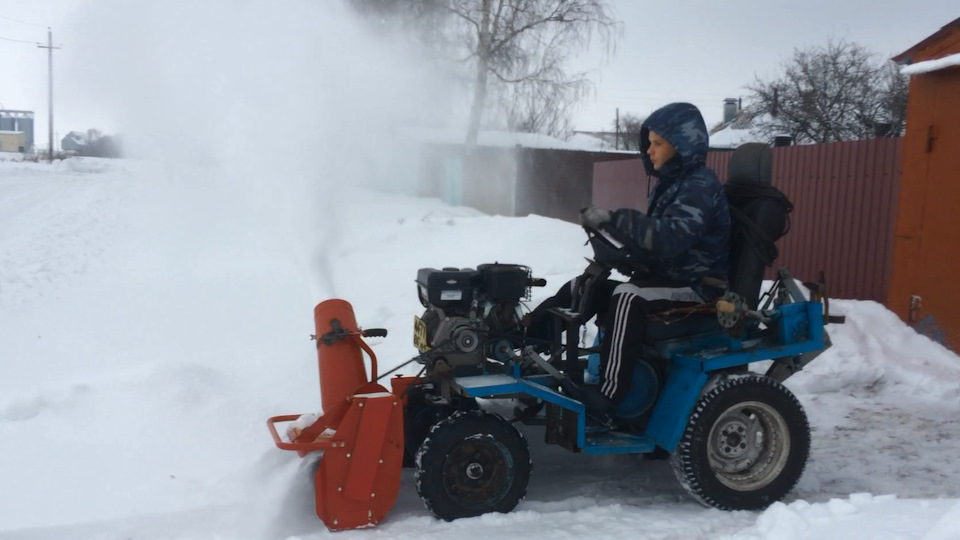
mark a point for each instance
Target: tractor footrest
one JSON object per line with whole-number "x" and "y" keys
{"x": 617, "y": 442}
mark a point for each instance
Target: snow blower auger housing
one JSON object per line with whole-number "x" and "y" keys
{"x": 360, "y": 432}
{"x": 737, "y": 438}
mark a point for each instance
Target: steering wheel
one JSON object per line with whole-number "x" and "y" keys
{"x": 612, "y": 248}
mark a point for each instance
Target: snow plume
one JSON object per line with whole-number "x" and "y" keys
{"x": 282, "y": 103}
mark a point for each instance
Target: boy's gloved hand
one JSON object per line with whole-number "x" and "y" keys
{"x": 594, "y": 217}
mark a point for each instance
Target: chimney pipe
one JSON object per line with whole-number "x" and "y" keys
{"x": 730, "y": 110}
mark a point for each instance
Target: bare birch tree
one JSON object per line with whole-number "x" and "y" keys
{"x": 628, "y": 128}
{"x": 520, "y": 49}
{"x": 516, "y": 52}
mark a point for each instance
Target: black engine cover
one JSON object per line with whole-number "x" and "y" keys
{"x": 448, "y": 289}
{"x": 504, "y": 281}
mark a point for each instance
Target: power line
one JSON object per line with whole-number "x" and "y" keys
{"x": 21, "y": 22}
{"x": 18, "y": 40}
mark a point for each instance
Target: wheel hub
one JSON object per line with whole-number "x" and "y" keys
{"x": 472, "y": 463}
{"x": 477, "y": 472}
{"x": 748, "y": 446}
{"x": 474, "y": 470}
{"x": 737, "y": 439}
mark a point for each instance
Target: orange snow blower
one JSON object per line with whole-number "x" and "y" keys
{"x": 360, "y": 432}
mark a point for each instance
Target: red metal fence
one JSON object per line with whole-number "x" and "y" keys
{"x": 845, "y": 204}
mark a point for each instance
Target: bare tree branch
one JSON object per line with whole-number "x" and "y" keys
{"x": 833, "y": 93}
{"x": 516, "y": 49}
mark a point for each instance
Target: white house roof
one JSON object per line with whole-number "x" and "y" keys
{"x": 932, "y": 65}
{"x": 739, "y": 131}
{"x": 731, "y": 138}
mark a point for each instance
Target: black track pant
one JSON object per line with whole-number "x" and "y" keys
{"x": 622, "y": 310}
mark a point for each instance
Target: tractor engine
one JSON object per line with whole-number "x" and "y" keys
{"x": 472, "y": 315}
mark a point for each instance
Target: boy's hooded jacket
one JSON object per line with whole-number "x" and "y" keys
{"x": 686, "y": 229}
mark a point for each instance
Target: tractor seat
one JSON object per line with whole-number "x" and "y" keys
{"x": 759, "y": 217}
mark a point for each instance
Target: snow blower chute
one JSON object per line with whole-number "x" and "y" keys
{"x": 360, "y": 432}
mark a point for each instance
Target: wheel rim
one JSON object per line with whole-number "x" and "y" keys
{"x": 478, "y": 473}
{"x": 748, "y": 446}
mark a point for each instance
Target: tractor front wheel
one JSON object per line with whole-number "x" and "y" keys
{"x": 472, "y": 463}
{"x": 745, "y": 445}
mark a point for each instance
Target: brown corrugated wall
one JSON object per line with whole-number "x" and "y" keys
{"x": 845, "y": 199}
{"x": 845, "y": 204}
{"x": 620, "y": 184}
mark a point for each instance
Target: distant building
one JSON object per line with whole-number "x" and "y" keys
{"x": 74, "y": 142}
{"x": 507, "y": 173}
{"x": 16, "y": 131}
{"x": 13, "y": 141}
{"x": 91, "y": 143}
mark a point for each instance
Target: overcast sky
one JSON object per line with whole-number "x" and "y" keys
{"x": 693, "y": 50}
{"x": 703, "y": 51}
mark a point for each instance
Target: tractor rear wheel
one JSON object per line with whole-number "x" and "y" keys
{"x": 472, "y": 463}
{"x": 745, "y": 445}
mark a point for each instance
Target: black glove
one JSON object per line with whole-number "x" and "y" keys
{"x": 594, "y": 217}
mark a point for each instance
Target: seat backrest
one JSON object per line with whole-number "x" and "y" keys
{"x": 759, "y": 217}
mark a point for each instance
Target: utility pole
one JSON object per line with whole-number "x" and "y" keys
{"x": 616, "y": 130}
{"x": 49, "y": 46}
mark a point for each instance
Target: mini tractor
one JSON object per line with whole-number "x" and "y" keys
{"x": 737, "y": 438}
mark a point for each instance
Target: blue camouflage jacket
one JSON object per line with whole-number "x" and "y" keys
{"x": 686, "y": 229}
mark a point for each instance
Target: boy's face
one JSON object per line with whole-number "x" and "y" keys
{"x": 660, "y": 150}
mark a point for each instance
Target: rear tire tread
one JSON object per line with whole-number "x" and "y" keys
{"x": 690, "y": 462}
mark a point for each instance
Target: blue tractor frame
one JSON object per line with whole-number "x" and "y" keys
{"x": 737, "y": 439}
{"x": 793, "y": 333}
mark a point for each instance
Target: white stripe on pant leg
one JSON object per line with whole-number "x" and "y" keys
{"x": 681, "y": 293}
{"x": 616, "y": 344}
{"x": 612, "y": 357}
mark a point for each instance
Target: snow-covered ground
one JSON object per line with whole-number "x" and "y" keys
{"x": 153, "y": 316}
